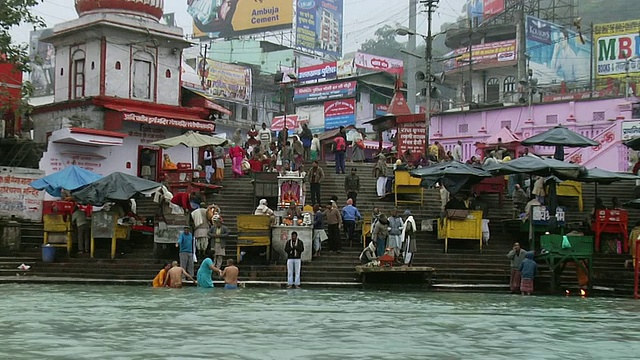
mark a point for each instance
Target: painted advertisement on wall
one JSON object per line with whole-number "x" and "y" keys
{"x": 226, "y": 81}
{"x": 379, "y": 63}
{"x": 339, "y": 113}
{"x": 43, "y": 63}
{"x": 616, "y": 45}
{"x": 17, "y": 197}
{"x": 483, "y": 56}
{"x": 319, "y": 26}
{"x": 557, "y": 54}
{"x": 324, "y": 92}
{"x": 226, "y": 18}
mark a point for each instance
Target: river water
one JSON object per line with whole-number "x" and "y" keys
{"x": 111, "y": 322}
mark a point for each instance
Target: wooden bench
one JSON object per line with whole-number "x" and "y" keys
{"x": 469, "y": 228}
{"x": 406, "y": 184}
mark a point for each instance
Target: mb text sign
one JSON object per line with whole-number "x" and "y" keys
{"x": 339, "y": 113}
{"x": 379, "y": 63}
{"x": 413, "y": 137}
{"x": 324, "y": 92}
{"x": 616, "y": 43}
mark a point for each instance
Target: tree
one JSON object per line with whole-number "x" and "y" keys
{"x": 15, "y": 13}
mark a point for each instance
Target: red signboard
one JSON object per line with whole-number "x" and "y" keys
{"x": 492, "y": 8}
{"x": 188, "y": 124}
{"x": 318, "y": 73}
{"x": 413, "y": 137}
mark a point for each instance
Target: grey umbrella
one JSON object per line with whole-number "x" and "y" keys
{"x": 453, "y": 175}
{"x": 114, "y": 187}
{"x": 599, "y": 176}
{"x": 537, "y": 166}
{"x": 634, "y": 143}
{"x": 560, "y": 136}
{"x": 633, "y": 204}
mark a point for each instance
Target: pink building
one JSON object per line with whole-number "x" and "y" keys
{"x": 608, "y": 121}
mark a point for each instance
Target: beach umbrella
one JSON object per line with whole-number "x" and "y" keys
{"x": 559, "y": 136}
{"x": 537, "y": 166}
{"x": 115, "y": 187}
{"x": 70, "y": 178}
{"x": 190, "y": 139}
{"x": 453, "y": 175}
{"x": 634, "y": 143}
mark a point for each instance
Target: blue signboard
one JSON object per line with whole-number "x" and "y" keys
{"x": 319, "y": 26}
{"x": 324, "y": 92}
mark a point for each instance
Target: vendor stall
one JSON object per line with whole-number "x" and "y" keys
{"x": 58, "y": 230}
{"x": 281, "y": 234}
{"x": 615, "y": 221}
{"x": 460, "y": 225}
{"x": 540, "y": 221}
{"x": 253, "y": 230}
{"x": 104, "y": 225}
{"x": 570, "y": 188}
{"x": 406, "y": 184}
{"x": 559, "y": 250}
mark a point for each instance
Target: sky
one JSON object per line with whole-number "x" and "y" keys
{"x": 361, "y": 17}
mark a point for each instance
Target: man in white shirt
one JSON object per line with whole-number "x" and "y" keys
{"x": 457, "y": 151}
{"x": 264, "y": 135}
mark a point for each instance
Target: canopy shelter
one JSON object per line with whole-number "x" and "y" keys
{"x": 115, "y": 187}
{"x": 504, "y": 138}
{"x": 537, "y": 166}
{"x": 600, "y": 176}
{"x": 453, "y": 175}
{"x": 634, "y": 143}
{"x": 560, "y": 137}
{"x": 70, "y": 178}
{"x": 191, "y": 139}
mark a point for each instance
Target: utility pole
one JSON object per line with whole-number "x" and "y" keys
{"x": 431, "y": 7}
{"x": 412, "y": 88}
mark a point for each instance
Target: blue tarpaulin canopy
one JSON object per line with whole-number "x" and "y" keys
{"x": 70, "y": 178}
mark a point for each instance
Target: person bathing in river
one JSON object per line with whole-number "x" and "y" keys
{"x": 230, "y": 275}
{"x": 528, "y": 270}
{"x": 161, "y": 279}
{"x": 206, "y": 270}
{"x": 175, "y": 276}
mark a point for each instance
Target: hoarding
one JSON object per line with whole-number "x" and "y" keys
{"x": 557, "y": 54}
{"x": 43, "y": 63}
{"x": 495, "y": 54}
{"x": 324, "y": 92}
{"x": 318, "y": 73}
{"x": 339, "y": 113}
{"x": 226, "y": 18}
{"x": 379, "y": 63}
{"x": 319, "y": 26}
{"x": 482, "y": 10}
{"x": 226, "y": 81}
{"x": 617, "y": 44}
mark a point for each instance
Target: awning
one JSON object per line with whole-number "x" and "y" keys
{"x": 209, "y": 102}
{"x": 83, "y": 136}
{"x": 153, "y": 116}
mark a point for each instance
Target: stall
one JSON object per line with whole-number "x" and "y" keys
{"x": 494, "y": 185}
{"x": 561, "y": 250}
{"x": 265, "y": 186}
{"x": 570, "y": 188}
{"x": 167, "y": 229}
{"x": 406, "y": 184}
{"x": 460, "y": 225}
{"x": 615, "y": 221}
{"x": 326, "y": 142}
{"x": 253, "y": 230}
{"x": 56, "y": 218}
{"x": 104, "y": 225}
{"x": 280, "y": 234}
{"x": 540, "y": 222}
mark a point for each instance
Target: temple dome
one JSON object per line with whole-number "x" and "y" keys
{"x": 152, "y": 9}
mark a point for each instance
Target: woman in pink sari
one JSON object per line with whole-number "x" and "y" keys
{"x": 236, "y": 154}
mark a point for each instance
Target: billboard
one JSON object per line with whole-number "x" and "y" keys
{"x": 615, "y": 44}
{"x": 319, "y": 26}
{"x": 324, "y": 92}
{"x": 557, "y": 54}
{"x": 226, "y": 18}
{"x": 43, "y": 63}
{"x": 412, "y": 137}
{"x": 318, "y": 73}
{"x": 495, "y": 54}
{"x": 339, "y": 113}
{"x": 379, "y": 63}
{"x": 482, "y": 10}
{"x": 226, "y": 81}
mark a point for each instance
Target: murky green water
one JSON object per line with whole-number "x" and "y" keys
{"x": 91, "y": 322}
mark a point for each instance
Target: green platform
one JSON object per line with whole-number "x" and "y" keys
{"x": 557, "y": 258}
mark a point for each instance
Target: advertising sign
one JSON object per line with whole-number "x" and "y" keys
{"x": 278, "y": 122}
{"x": 226, "y": 81}
{"x": 17, "y": 197}
{"x": 206, "y": 126}
{"x": 319, "y": 26}
{"x": 615, "y": 44}
{"x": 630, "y": 130}
{"x": 339, "y": 113}
{"x": 557, "y": 54}
{"x": 482, "y": 10}
{"x": 345, "y": 68}
{"x": 492, "y": 8}
{"x": 541, "y": 216}
{"x": 318, "y": 73}
{"x": 43, "y": 63}
{"x": 324, "y": 92}
{"x": 380, "y": 109}
{"x": 379, "y": 63}
{"x": 413, "y": 137}
{"x": 483, "y": 55}
{"x": 226, "y": 18}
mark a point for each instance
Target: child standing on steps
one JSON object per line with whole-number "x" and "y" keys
{"x": 528, "y": 272}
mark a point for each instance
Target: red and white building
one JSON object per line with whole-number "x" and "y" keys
{"x": 117, "y": 89}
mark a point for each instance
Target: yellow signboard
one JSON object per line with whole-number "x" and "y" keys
{"x": 617, "y": 51}
{"x": 225, "y": 18}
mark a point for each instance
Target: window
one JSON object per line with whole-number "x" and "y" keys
{"x": 167, "y": 74}
{"x": 552, "y": 119}
{"x": 598, "y": 116}
{"x": 245, "y": 113}
{"x": 509, "y": 85}
{"x": 463, "y": 128}
{"x": 77, "y": 80}
{"x": 142, "y": 75}
{"x": 492, "y": 93}
{"x": 118, "y": 65}
{"x": 254, "y": 114}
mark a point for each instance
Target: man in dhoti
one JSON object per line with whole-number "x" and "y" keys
{"x": 408, "y": 238}
{"x": 218, "y": 233}
{"x": 201, "y": 225}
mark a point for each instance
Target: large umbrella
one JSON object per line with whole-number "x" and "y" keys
{"x": 634, "y": 143}
{"x": 452, "y": 175}
{"x": 70, "y": 178}
{"x": 537, "y": 166}
{"x": 115, "y": 187}
{"x": 633, "y": 204}
{"x": 560, "y": 136}
{"x": 600, "y": 176}
{"x": 190, "y": 139}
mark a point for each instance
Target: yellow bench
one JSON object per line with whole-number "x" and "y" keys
{"x": 573, "y": 189}
{"x": 406, "y": 184}
{"x": 469, "y": 228}
{"x": 60, "y": 227}
{"x": 254, "y": 230}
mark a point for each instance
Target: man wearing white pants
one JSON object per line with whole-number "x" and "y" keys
{"x": 294, "y": 249}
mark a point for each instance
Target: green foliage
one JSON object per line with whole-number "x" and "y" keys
{"x": 15, "y": 13}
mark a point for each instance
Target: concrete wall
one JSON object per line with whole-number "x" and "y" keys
{"x": 85, "y": 116}
{"x": 17, "y": 198}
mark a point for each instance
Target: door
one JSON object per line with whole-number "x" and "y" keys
{"x": 149, "y": 162}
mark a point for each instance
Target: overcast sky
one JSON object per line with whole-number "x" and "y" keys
{"x": 361, "y": 17}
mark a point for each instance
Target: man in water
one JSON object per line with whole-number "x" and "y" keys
{"x": 230, "y": 275}
{"x": 205, "y": 271}
{"x": 185, "y": 244}
{"x": 175, "y": 276}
